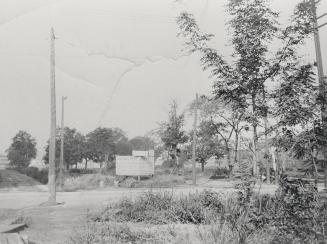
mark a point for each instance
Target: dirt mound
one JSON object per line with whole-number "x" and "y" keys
{"x": 13, "y": 179}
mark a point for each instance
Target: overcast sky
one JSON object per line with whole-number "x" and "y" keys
{"x": 119, "y": 62}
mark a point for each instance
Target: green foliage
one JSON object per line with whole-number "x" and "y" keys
{"x": 22, "y": 149}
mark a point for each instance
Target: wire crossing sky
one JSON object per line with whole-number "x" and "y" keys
{"x": 120, "y": 62}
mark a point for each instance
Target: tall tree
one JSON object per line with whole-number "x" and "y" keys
{"x": 172, "y": 133}
{"x": 22, "y": 149}
{"x": 102, "y": 144}
{"x": 224, "y": 123}
{"x": 208, "y": 145}
{"x": 142, "y": 143}
{"x": 74, "y": 143}
{"x": 243, "y": 83}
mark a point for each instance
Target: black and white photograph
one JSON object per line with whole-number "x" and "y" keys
{"x": 163, "y": 121}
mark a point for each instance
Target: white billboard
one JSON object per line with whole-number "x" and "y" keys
{"x": 134, "y": 166}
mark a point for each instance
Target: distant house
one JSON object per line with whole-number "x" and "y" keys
{"x": 4, "y": 162}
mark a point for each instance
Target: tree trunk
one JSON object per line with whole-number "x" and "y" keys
{"x": 255, "y": 140}
{"x": 202, "y": 166}
{"x": 255, "y": 151}
{"x": 267, "y": 151}
{"x": 236, "y": 149}
{"x": 85, "y": 163}
{"x": 228, "y": 159}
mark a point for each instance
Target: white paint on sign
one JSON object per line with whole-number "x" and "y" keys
{"x": 134, "y": 166}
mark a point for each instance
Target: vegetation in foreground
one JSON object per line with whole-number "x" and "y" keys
{"x": 297, "y": 213}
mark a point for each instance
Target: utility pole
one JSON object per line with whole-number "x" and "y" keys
{"x": 62, "y": 133}
{"x": 194, "y": 139}
{"x": 52, "y": 145}
{"x": 321, "y": 77}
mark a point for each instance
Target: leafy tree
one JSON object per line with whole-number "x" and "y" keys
{"x": 74, "y": 144}
{"x": 297, "y": 98}
{"x": 172, "y": 133}
{"x": 142, "y": 143}
{"x": 243, "y": 83}
{"x": 222, "y": 122}
{"x": 22, "y": 149}
{"x": 102, "y": 144}
{"x": 124, "y": 148}
{"x": 207, "y": 145}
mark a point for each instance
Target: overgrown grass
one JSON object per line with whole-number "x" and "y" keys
{"x": 296, "y": 214}
{"x": 88, "y": 182}
{"x": 41, "y": 175}
{"x": 157, "y": 181}
{"x": 115, "y": 233}
{"x": 163, "y": 208}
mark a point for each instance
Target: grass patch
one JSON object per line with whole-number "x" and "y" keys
{"x": 157, "y": 181}
{"x": 163, "y": 208}
{"x": 88, "y": 182}
{"x": 115, "y": 233}
{"x": 41, "y": 175}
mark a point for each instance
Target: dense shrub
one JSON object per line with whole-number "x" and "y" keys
{"x": 162, "y": 208}
{"x": 82, "y": 171}
{"x": 35, "y": 173}
{"x": 88, "y": 182}
{"x": 169, "y": 163}
{"x": 219, "y": 173}
{"x": 113, "y": 233}
{"x": 298, "y": 212}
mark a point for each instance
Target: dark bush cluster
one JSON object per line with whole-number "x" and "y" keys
{"x": 220, "y": 173}
{"x": 162, "y": 208}
{"x": 81, "y": 171}
{"x": 35, "y": 173}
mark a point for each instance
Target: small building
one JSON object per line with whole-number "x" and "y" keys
{"x": 141, "y": 163}
{"x": 4, "y": 162}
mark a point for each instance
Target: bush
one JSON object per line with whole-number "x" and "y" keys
{"x": 82, "y": 171}
{"x": 220, "y": 173}
{"x": 298, "y": 212}
{"x": 157, "y": 181}
{"x": 112, "y": 233}
{"x": 169, "y": 163}
{"x": 162, "y": 208}
{"x": 33, "y": 172}
{"x": 87, "y": 182}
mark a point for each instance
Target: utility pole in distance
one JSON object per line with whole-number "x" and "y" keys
{"x": 52, "y": 144}
{"x": 62, "y": 134}
{"x": 194, "y": 139}
{"x": 321, "y": 77}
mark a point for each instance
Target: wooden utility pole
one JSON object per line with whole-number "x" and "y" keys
{"x": 321, "y": 77}
{"x": 52, "y": 145}
{"x": 194, "y": 140}
{"x": 62, "y": 134}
